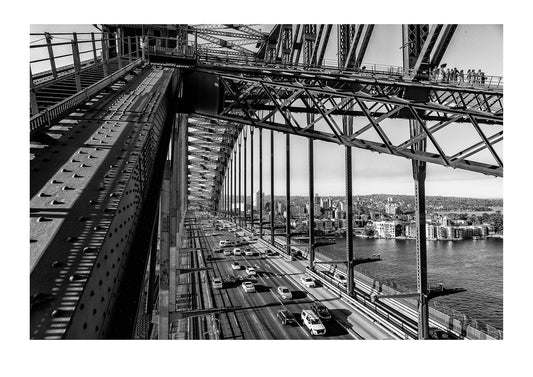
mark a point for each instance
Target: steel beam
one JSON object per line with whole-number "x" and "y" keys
{"x": 252, "y": 178}
{"x": 260, "y": 183}
{"x": 272, "y": 187}
{"x": 245, "y": 174}
{"x": 240, "y": 184}
{"x": 349, "y": 208}
{"x": 413, "y": 37}
{"x": 288, "y": 192}
{"x": 311, "y": 200}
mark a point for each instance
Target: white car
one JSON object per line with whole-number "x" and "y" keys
{"x": 236, "y": 266}
{"x": 226, "y": 252}
{"x": 340, "y": 278}
{"x": 236, "y": 251}
{"x": 313, "y": 323}
{"x": 284, "y": 292}
{"x": 307, "y": 281}
{"x": 248, "y": 252}
{"x": 248, "y": 286}
{"x": 250, "y": 270}
{"x": 217, "y": 282}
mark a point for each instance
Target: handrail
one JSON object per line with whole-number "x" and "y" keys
{"x": 48, "y": 116}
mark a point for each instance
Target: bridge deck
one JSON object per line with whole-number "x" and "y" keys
{"x": 86, "y": 193}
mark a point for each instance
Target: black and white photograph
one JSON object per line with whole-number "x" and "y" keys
{"x": 194, "y": 182}
{"x": 221, "y": 181}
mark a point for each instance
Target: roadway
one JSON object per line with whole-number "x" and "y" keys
{"x": 254, "y": 316}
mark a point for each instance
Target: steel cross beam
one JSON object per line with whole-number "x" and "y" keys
{"x": 328, "y": 103}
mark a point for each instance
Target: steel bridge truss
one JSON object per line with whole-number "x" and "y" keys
{"x": 275, "y": 103}
{"x": 209, "y": 149}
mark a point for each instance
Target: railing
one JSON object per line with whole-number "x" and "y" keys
{"x": 376, "y": 71}
{"x": 64, "y": 52}
{"x": 51, "y": 114}
{"x": 66, "y": 55}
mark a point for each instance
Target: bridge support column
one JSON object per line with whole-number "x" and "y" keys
{"x": 311, "y": 205}
{"x": 260, "y": 203}
{"x": 240, "y": 184}
{"x": 245, "y": 174}
{"x": 348, "y": 122}
{"x": 252, "y": 178}
{"x": 234, "y": 209}
{"x": 419, "y": 175}
{"x": 288, "y": 192}
{"x": 272, "y": 187}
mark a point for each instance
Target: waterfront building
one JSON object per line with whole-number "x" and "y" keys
{"x": 385, "y": 229}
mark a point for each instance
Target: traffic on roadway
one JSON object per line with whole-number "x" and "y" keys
{"x": 271, "y": 297}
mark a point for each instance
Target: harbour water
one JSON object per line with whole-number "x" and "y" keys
{"x": 476, "y": 265}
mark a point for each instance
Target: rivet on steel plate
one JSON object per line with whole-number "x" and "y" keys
{"x": 83, "y": 218}
{"x": 72, "y": 239}
{"x": 55, "y": 202}
{"x": 43, "y": 219}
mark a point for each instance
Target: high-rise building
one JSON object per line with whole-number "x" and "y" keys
{"x": 257, "y": 199}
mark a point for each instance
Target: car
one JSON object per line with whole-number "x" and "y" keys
{"x": 321, "y": 311}
{"x": 226, "y": 252}
{"x": 286, "y": 317}
{"x": 236, "y": 266}
{"x": 340, "y": 278}
{"x": 307, "y": 281}
{"x": 216, "y": 282}
{"x": 271, "y": 253}
{"x": 217, "y": 250}
{"x": 209, "y": 257}
{"x": 248, "y": 286}
{"x": 313, "y": 323}
{"x": 236, "y": 251}
{"x": 250, "y": 270}
{"x": 284, "y": 292}
{"x": 248, "y": 252}
{"x": 244, "y": 242}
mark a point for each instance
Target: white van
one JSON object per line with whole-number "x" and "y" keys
{"x": 313, "y": 323}
{"x": 216, "y": 282}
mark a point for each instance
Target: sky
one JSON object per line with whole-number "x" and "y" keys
{"x": 385, "y": 174}
{"x": 373, "y": 173}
